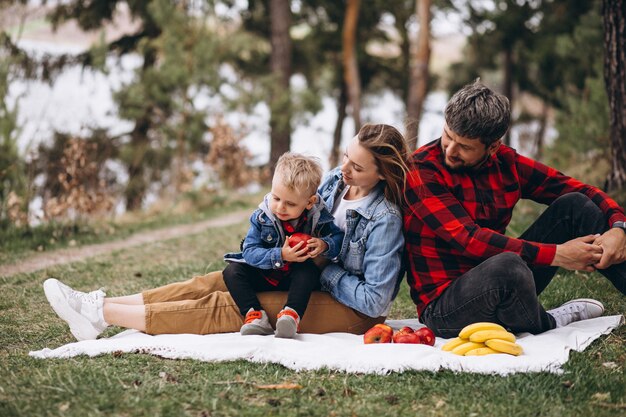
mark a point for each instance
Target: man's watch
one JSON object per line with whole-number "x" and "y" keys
{"x": 619, "y": 225}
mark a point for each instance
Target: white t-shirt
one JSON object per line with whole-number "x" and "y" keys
{"x": 339, "y": 212}
{"x": 342, "y": 205}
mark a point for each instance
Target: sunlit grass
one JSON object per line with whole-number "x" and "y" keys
{"x": 143, "y": 385}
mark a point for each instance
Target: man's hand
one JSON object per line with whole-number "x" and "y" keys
{"x": 298, "y": 253}
{"x": 580, "y": 254}
{"x": 613, "y": 244}
{"x": 316, "y": 247}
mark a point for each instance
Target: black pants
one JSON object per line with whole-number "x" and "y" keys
{"x": 244, "y": 281}
{"x": 504, "y": 289}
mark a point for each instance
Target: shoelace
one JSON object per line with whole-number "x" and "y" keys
{"x": 89, "y": 298}
{"x": 253, "y": 315}
{"x": 572, "y": 309}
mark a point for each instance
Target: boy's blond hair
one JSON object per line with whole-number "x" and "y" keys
{"x": 299, "y": 173}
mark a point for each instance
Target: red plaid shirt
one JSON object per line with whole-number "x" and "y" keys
{"x": 456, "y": 220}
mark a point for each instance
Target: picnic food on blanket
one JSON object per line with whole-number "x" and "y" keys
{"x": 504, "y": 346}
{"x": 403, "y": 331}
{"x": 422, "y": 336}
{"x": 483, "y": 338}
{"x": 467, "y": 331}
{"x": 380, "y": 333}
{"x": 452, "y": 343}
{"x": 406, "y": 335}
{"x": 296, "y": 238}
{"x": 427, "y": 336}
{"x": 466, "y": 347}
{"x": 481, "y": 351}
{"x": 407, "y": 338}
{"x": 484, "y": 335}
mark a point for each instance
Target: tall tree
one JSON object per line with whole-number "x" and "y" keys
{"x": 280, "y": 63}
{"x": 418, "y": 81}
{"x": 522, "y": 42}
{"x": 505, "y": 29}
{"x": 12, "y": 167}
{"x": 350, "y": 63}
{"x": 179, "y": 60}
{"x": 614, "y": 12}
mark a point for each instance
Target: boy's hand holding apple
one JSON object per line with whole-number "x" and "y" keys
{"x": 294, "y": 251}
{"x": 316, "y": 247}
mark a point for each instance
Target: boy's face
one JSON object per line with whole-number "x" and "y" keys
{"x": 287, "y": 204}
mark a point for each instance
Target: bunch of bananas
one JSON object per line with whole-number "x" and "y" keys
{"x": 483, "y": 339}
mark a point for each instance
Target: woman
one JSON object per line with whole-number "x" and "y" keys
{"x": 363, "y": 195}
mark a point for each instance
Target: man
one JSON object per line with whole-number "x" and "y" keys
{"x": 461, "y": 193}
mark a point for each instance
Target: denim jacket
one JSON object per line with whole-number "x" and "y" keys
{"x": 262, "y": 246}
{"x": 370, "y": 268}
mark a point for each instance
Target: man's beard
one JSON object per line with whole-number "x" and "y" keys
{"x": 464, "y": 168}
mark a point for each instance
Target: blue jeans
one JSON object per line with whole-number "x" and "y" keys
{"x": 504, "y": 289}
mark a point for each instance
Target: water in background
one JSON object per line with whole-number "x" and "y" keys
{"x": 81, "y": 99}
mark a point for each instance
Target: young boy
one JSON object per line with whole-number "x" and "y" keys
{"x": 268, "y": 263}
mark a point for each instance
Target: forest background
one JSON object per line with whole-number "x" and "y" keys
{"x": 175, "y": 153}
{"x": 560, "y": 62}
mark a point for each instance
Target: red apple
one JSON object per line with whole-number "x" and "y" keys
{"x": 296, "y": 238}
{"x": 406, "y": 329}
{"x": 380, "y": 333}
{"x": 402, "y": 331}
{"x": 427, "y": 335}
{"x": 407, "y": 338}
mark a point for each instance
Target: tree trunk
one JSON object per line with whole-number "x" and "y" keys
{"x": 139, "y": 143}
{"x": 137, "y": 185}
{"x": 418, "y": 82}
{"x": 342, "y": 102}
{"x": 350, "y": 65}
{"x": 280, "y": 63}
{"x": 508, "y": 86}
{"x": 614, "y": 12}
{"x": 541, "y": 133}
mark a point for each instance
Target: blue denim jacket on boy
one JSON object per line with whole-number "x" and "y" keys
{"x": 370, "y": 268}
{"x": 263, "y": 243}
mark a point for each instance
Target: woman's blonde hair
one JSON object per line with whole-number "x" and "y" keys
{"x": 391, "y": 153}
{"x": 299, "y": 172}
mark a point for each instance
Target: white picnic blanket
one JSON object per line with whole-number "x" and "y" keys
{"x": 346, "y": 352}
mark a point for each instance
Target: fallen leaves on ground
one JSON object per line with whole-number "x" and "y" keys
{"x": 279, "y": 386}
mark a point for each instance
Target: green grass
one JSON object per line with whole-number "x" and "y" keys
{"x": 143, "y": 385}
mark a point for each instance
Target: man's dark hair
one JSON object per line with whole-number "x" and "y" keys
{"x": 477, "y": 112}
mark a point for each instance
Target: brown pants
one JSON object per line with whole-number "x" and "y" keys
{"x": 203, "y": 305}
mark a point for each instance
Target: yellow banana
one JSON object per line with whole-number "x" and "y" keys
{"x": 481, "y": 351}
{"x": 452, "y": 344}
{"x": 468, "y": 330}
{"x": 504, "y": 346}
{"x": 466, "y": 347}
{"x": 483, "y": 335}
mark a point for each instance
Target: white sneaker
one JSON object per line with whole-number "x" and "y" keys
{"x": 288, "y": 323}
{"x": 82, "y": 311}
{"x": 256, "y": 323}
{"x": 576, "y": 310}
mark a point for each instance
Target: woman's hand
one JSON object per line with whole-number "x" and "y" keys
{"x": 298, "y": 253}
{"x": 316, "y": 247}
